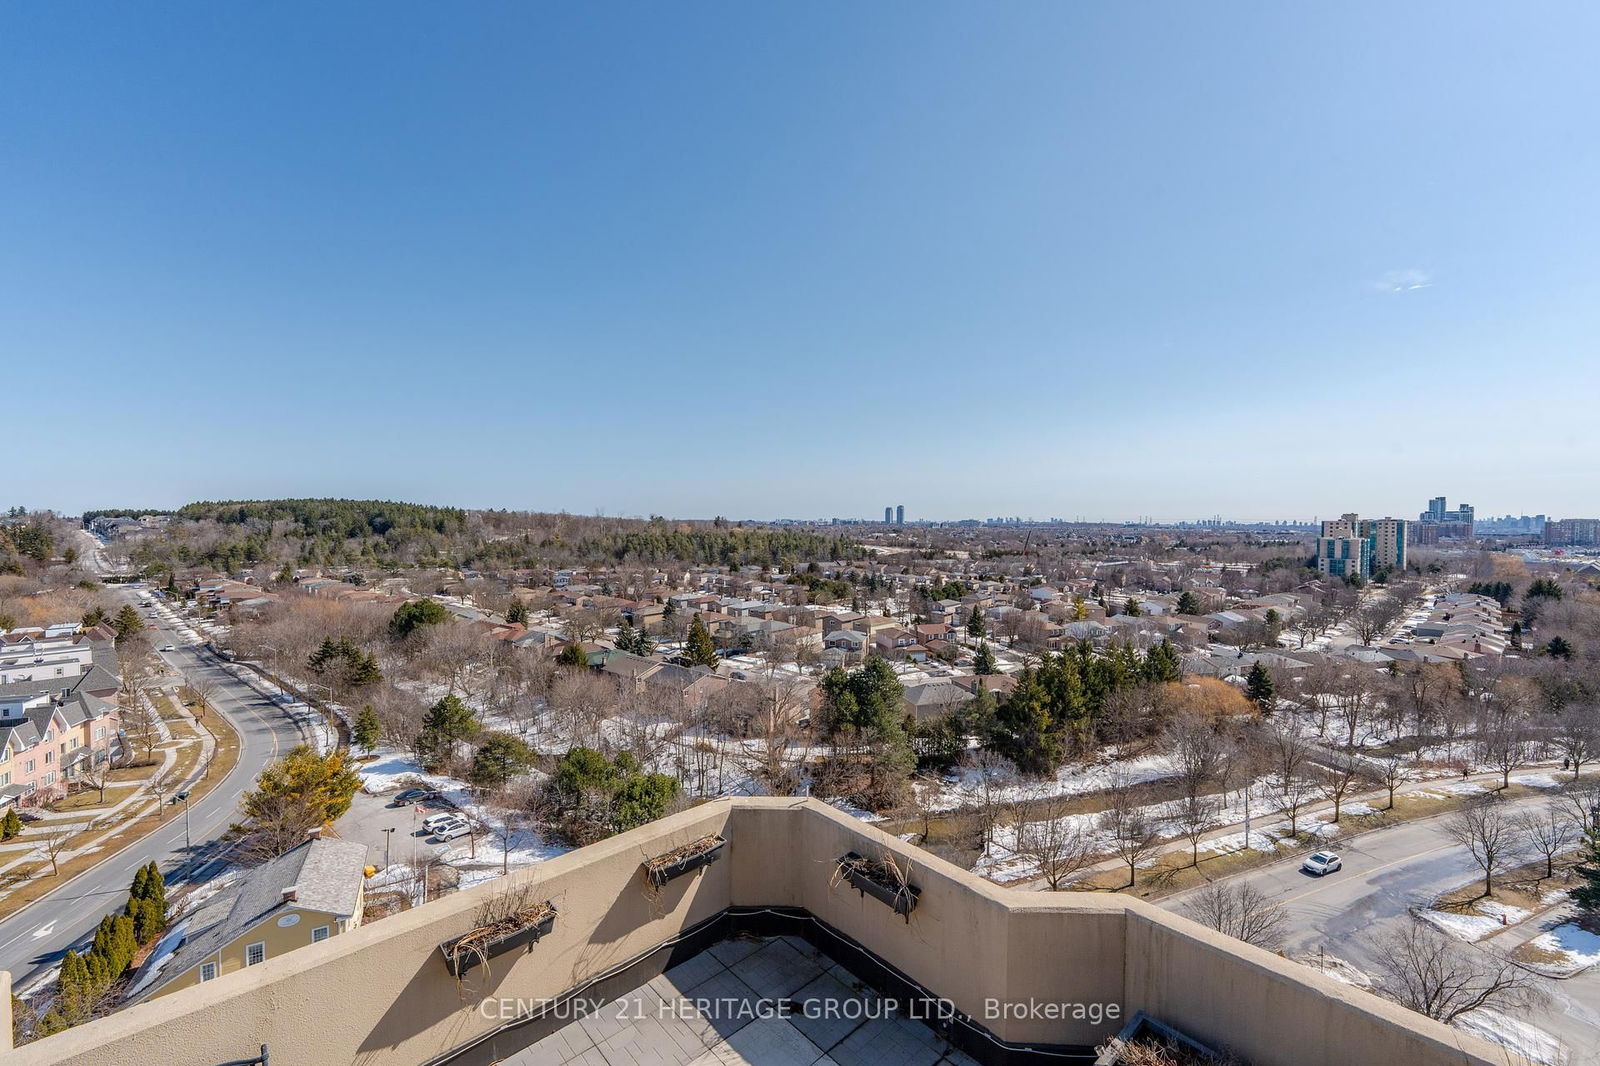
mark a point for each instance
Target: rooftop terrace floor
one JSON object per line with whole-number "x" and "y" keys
{"x": 765, "y": 1002}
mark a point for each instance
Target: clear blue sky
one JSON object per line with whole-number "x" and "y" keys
{"x": 1058, "y": 259}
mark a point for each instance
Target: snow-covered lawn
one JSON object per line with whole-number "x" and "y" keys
{"x": 1077, "y": 779}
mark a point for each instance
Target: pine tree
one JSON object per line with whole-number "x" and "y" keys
{"x": 1132, "y": 608}
{"x": 700, "y": 651}
{"x": 11, "y": 824}
{"x": 1258, "y": 686}
{"x": 983, "y": 662}
{"x": 1188, "y": 603}
{"x": 127, "y": 622}
{"x": 367, "y": 729}
{"x": 517, "y": 613}
{"x": 975, "y": 622}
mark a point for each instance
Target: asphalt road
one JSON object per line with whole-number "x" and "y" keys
{"x": 35, "y": 938}
{"x": 1387, "y": 872}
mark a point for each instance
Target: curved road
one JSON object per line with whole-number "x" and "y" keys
{"x": 35, "y": 938}
{"x": 1387, "y": 872}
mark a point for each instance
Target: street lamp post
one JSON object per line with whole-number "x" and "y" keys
{"x": 188, "y": 843}
{"x": 388, "y": 836}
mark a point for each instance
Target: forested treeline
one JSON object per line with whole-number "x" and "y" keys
{"x": 228, "y": 535}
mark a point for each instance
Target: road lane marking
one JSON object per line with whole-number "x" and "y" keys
{"x": 1323, "y": 882}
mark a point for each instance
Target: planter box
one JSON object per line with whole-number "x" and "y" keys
{"x": 902, "y": 898}
{"x": 687, "y": 864}
{"x": 527, "y": 936}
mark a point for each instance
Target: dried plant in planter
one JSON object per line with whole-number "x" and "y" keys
{"x": 886, "y": 878}
{"x": 686, "y": 858}
{"x": 507, "y": 920}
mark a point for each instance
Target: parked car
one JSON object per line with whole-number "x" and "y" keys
{"x": 1322, "y": 862}
{"x": 166, "y": 647}
{"x": 413, "y": 795}
{"x": 434, "y": 821}
{"x": 460, "y": 827}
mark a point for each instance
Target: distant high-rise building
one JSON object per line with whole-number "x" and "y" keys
{"x": 900, "y": 515}
{"x": 1351, "y": 545}
{"x": 888, "y": 515}
{"x": 1386, "y": 538}
{"x": 1572, "y": 533}
{"x": 1452, "y": 523}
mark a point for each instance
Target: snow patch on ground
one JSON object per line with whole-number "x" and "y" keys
{"x": 1517, "y": 1037}
{"x": 1581, "y": 947}
{"x": 856, "y": 812}
{"x": 1468, "y": 927}
{"x": 1536, "y": 781}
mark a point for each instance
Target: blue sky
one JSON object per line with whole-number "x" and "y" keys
{"x": 1264, "y": 260}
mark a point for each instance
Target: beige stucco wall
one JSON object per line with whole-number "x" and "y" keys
{"x": 380, "y": 996}
{"x": 279, "y": 940}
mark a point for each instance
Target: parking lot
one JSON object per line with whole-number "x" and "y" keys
{"x": 369, "y": 816}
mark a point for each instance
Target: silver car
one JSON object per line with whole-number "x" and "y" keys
{"x": 458, "y": 827}
{"x": 1322, "y": 862}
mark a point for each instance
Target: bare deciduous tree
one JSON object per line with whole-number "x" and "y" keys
{"x": 1195, "y": 816}
{"x": 1490, "y": 834}
{"x": 1577, "y": 736}
{"x": 1242, "y": 911}
{"x": 1392, "y": 773}
{"x": 1133, "y": 832}
{"x": 1548, "y": 833}
{"x": 985, "y": 780}
{"x": 54, "y": 841}
{"x": 1503, "y": 744}
{"x": 1055, "y": 841}
{"x": 1426, "y": 971}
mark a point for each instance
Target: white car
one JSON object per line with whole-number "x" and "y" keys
{"x": 438, "y": 818}
{"x": 458, "y": 827}
{"x": 1322, "y": 862}
{"x": 168, "y": 647}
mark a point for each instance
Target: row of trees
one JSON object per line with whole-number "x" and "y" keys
{"x": 89, "y": 984}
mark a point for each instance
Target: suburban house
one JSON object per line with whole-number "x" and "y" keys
{"x": 312, "y": 892}
{"x": 58, "y": 713}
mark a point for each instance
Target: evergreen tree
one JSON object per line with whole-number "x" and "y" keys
{"x": 1258, "y": 687}
{"x": 1586, "y": 894}
{"x": 127, "y": 623}
{"x": 367, "y": 729}
{"x": 11, "y": 824}
{"x": 1024, "y": 718}
{"x": 1131, "y": 609}
{"x": 700, "y": 651}
{"x": 1161, "y": 663}
{"x": 95, "y": 616}
{"x": 413, "y": 615}
{"x": 975, "y": 622}
{"x": 498, "y": 758}
{"x": 670, "y": 610}
{"x": 573, "y": 655}
{"x": 446, "y": 723}
{"x": 517, "y": 613}
{"x": 983, "y": 662}
{"x": 1559, "y": 648}
{"x": 1188, "y": 603}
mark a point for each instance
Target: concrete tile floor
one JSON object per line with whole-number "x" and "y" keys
{"x": 770, "y": 1002}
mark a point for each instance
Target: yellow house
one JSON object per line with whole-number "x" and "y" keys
{"x": 306, "y": 895}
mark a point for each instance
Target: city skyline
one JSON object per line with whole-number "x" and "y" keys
{"x": 555, "y": 259}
